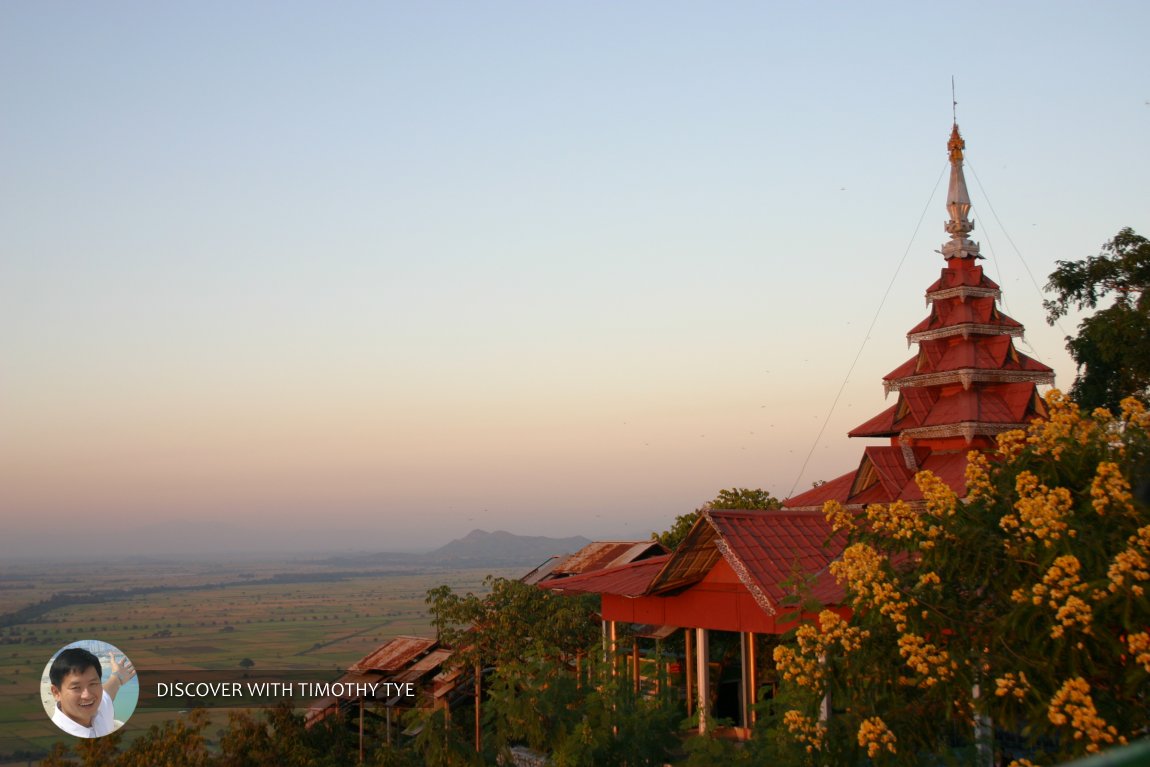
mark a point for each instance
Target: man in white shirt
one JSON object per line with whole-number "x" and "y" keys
{"x": 83, "y": 703}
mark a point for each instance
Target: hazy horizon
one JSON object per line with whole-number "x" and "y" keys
{"x": 374, "y": 275}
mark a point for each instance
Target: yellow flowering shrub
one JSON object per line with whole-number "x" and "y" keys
{"x": 988, "y": 605}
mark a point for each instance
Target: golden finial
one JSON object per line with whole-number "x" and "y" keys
{"x": 955, "y": 145}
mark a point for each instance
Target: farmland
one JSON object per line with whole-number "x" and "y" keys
{"x": 297, "y": 615}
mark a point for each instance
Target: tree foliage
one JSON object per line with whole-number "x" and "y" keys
{"x": 1112, "y": 348}
{"x": 735, "y": 498}
{"x": 1024, "y": 607}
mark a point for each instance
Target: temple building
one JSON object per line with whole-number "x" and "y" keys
{"x": 966, "y": 384}
{"x": 737, "y": 571}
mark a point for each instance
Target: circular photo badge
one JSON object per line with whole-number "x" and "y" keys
{"x": 89, "y": 688}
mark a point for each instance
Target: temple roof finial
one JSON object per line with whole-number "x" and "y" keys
{"x": 958, "y": 203}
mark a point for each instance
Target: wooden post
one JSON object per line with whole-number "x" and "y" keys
{"x": 754, "y": 676}
{"x": 635, "y": 663}
{"x": 614, "y": 654}
{"x": 702, "y": 668}
{"x": 361, "y": 730}
{"x": 478, "y": 694}
{"x": 389, "y": 724}
{"x": 689, "y": 668}
{"x": 744, "y": 684}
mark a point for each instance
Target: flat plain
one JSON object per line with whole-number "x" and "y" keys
{"x": 300, "y": 614}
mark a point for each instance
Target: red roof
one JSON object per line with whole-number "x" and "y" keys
{"x": 836, "y": 489}
{"x": 764, "y": 548}
{"x": 957, "y": 353}
{"x": 980, "y": 311}
{"x": 630, "y": 580}
{"x": 888, "y": 480}
{"x": 1003, "y": 403}
{"x": 971, "y": 276}
{"x": 768, "y": 548}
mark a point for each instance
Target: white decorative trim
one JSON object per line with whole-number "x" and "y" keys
{"x": 964, "y": 292}
{"x": 968, "y": 376}
{"x": 965, "y": 329}
{"x": 966, "y": 429}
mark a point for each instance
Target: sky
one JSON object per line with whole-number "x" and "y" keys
{"x": 365, "y": 276}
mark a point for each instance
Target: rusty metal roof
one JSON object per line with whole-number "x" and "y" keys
{"x": 395, "y": 655}
{"x": 424, "y": 666}
{"x": 544, "y": 570}
{"x": 600, "y": 555}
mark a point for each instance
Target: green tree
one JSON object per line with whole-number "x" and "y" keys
{"x": 1024, "y": 606}
{"x": 735, "y": 498}
{"x": 1112, "y": 348}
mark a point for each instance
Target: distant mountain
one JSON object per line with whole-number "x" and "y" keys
{"x": 480, "y": 547}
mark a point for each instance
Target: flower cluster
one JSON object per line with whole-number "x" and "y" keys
{"x": 900, "y": 522}
{"x": 861, "y": 571}
{"x": 929, "y": 661}
{"x": 1041, "y": 512}
{"x": 815, "y": 640}
{"x": 1063, "y": 425}
{"x": 940, "y": 499}
{"x": 1139, "y": 645}
{"x": 874, "y": 736}
{"x": 1131, "y": 566}
{"x": 1134, "y": 413}
{"x": 1059, "y": 589}
{"x": 838, "y": 517}
{"x": 805, "y": 730}
{"x": 1011, "y": 443}
{"x": 1110, "y": 490}
{"x": 1073, "y": 705}
{"x": 978, "y": 484}
{"x": 1012, "y": 685}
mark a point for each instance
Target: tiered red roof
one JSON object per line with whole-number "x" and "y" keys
{"x": 966, "y": 384}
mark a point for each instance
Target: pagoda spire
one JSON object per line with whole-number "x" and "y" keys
{"x": 958, "y": 204}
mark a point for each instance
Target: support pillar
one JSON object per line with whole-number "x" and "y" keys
{"x": 703, "y": 679}
{"x": 752, "y": 676}
{"x": 635, "y": 671}
{"x": 983, "y": 732}
{"x": 689, "y": 669}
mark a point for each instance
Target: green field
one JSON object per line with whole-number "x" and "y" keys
{"x": 209, "y": 615}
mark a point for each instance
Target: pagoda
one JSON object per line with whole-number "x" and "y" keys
{"x": 966, "y": 384}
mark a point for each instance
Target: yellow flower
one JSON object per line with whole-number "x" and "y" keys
{"x": 1110, "y": 489}
{"x": 838, "y": 517}
{"x": 978, "y": 484}
{"x": 1041, "y": 512}
{"x": 1072, "y": 705}
{"x": 1130, "y": 567}
{"x": 805, "y": 730}
{"x": 1139, "y": 645}
{"x": 874, "y": 736}
{"x": 1009, "y": 684}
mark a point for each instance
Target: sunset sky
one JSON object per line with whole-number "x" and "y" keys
{"x": 368, "y": 275}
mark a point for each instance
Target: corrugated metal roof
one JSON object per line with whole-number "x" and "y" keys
{"x": 599, "y": 555}
{"x": 544, "y": 570}
{"x": 630, "y": 580}
{"x": 424, "y": 666}
{"x": 394, "y": 655}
